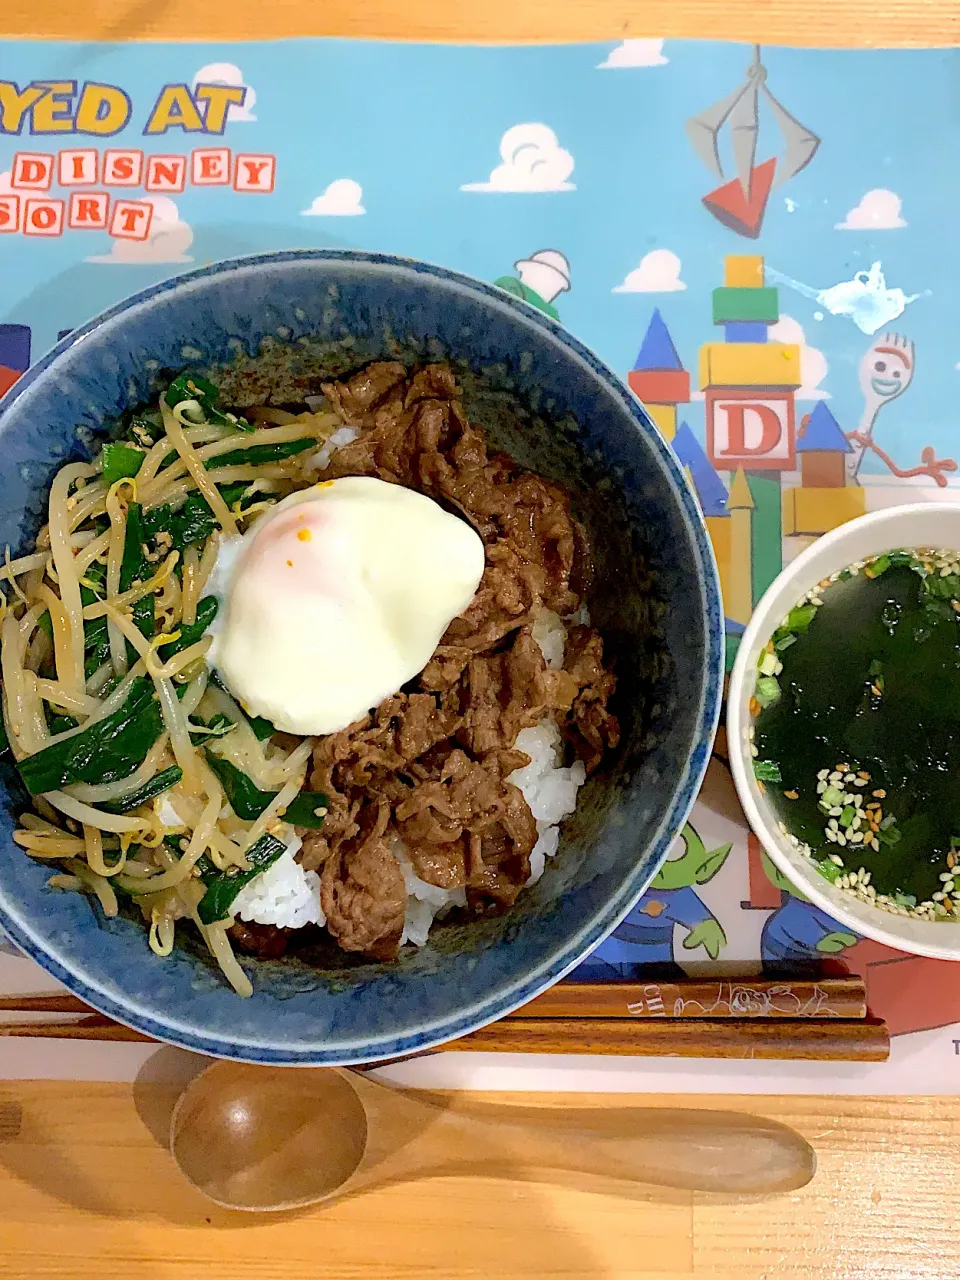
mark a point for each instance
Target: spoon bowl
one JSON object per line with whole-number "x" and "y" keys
{"x": 250, "y": 1138}
{"x": 263, "y": 1139}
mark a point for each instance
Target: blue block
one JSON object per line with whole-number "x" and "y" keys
{"x": 745, "y": 331}
{"x": 710, "y": 488}
{"x": 657, "y": 350}
{"x": 821, "y": 433}
{"x": 15, "y": 347}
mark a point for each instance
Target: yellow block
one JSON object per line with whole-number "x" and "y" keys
{"x": 718, "y": 528}
{"x": 743, "y": 271}
{"x": 749, "y": 364}
{"x": 665, "y": 416}
{"x": 816, "y": 511}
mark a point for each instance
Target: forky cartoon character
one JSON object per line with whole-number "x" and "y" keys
{"x": 886, "y": 371}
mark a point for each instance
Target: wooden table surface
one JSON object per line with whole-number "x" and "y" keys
{"x": 87, "y": 1190}
{"x": 85, "y": 1187}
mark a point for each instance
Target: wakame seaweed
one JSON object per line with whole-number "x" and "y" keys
{"x": 862, "y": 730}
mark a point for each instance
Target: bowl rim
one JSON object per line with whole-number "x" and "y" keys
{"x": 879, "y": 925}
{"x": 562, "y": 959}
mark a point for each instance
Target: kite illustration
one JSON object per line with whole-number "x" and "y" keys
{"x": 741, "y": 202}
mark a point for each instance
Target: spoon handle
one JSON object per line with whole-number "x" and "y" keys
{"x": 693, "y": 1150}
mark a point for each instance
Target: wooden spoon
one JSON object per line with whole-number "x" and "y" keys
{"x": 266, "y": 1139}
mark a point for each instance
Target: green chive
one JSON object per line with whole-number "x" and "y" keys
{"x": 766, "y": 771}
{"x": 880, "y": 565}
{"x": 799, "y": 619}
{"x": 121, "y": 461}
{"x": 224, "y": 886}
{"x": 768, "y": 690}
{"x": 829, "y": 870}
{"x": 159, "y": 783}
{"x": 191, "y": 387}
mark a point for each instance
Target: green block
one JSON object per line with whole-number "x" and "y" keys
{"x": 730, "y": 645}
{"x": 766, "y": 541}
{"x": 732, "y": 305}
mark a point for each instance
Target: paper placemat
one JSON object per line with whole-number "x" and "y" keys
{"x": 694, "y": 211}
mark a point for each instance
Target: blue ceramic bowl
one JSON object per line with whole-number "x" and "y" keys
{"x": 546, "y": 399}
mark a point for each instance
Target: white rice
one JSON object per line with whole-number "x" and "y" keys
{"x": 549, "y": 789}
{"x": 340, "y": 437}
{"x": 284, "y": 895}
{"x": 551, "y": 635}
{"x": 424, "y": 901}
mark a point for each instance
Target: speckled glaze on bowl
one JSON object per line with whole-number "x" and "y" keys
{"x": 579, "y": 425}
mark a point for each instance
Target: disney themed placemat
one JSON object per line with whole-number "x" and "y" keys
{"x": 695, "y": 212}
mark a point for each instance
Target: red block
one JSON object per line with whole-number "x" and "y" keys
{"x": 910, "y": 993}
{"x": 210, "y": 166}
{"x": 9, "y": 213}
{"x": 763, "y": 894}
{"x": 660, "y": 386}
{"x": 88, "y": 210}
{"x": 166, "y": 173}
{"x": 731, "y": 205}
{"x": 754, "y": 429}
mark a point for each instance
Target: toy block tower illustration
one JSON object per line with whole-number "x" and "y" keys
{"x": 750, "y": 385}
{"x": 824, "y": 500}
{"x": 14, "y": 353}
{"x": 659, "y": 378}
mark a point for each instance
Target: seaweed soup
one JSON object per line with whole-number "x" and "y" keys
{"x": 856, "y": 730}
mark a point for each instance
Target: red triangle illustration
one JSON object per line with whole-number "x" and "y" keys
{"x": 7, "y": 378}
{"x": 731, "y": 205}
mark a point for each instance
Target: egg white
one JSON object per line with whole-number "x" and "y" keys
{"x": 337, "y": 597}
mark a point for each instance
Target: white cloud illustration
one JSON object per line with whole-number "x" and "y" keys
{"x": 227, "y": 73}
{"x": 168, "y": 241}
{"x": 634, "y": 53}
{"x": 878, "y": 210}
{"x": 813, "y": 363}
{"x": 533, "y": 160}
{"x": 6, "y": 185}
{"x": 658, "y": 272}
{"x": 342, "y": 199}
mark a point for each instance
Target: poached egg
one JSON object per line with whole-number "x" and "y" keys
{"x": 335, "y": 598}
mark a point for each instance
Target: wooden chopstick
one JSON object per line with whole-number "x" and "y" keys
{"x": 43, "y": 1004}
{"x": 833, "y": 1040}
{"x": 844, "y": 997}
{"x": 93, "y": 1028}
